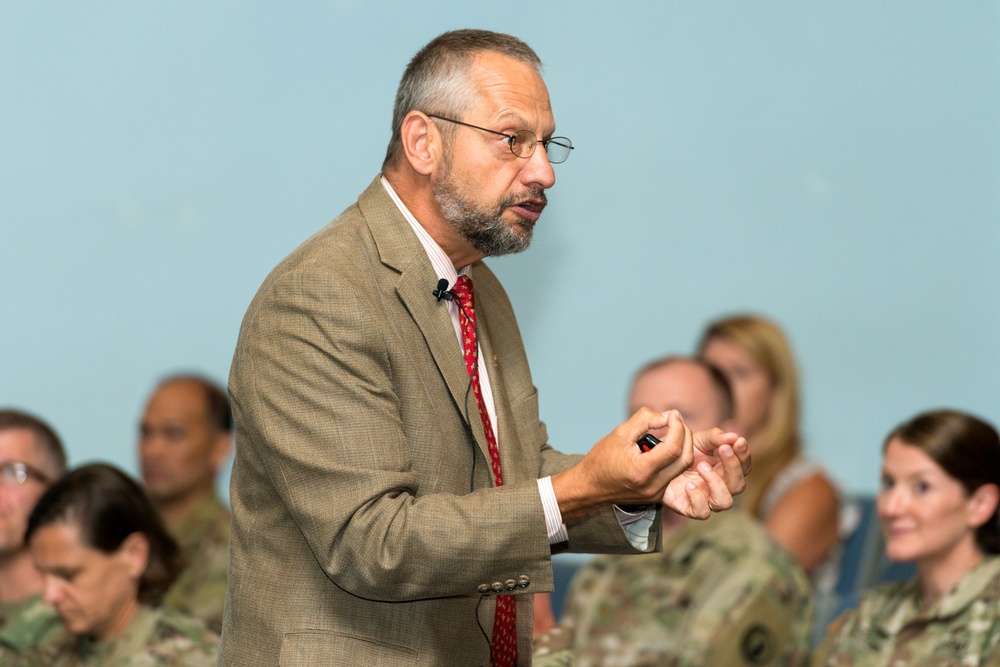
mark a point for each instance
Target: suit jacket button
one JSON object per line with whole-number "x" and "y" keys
{"x": 523, "y": 581}
{"x": 484, "y": 588}
{"x": 497, "y": 587}
{"x": 510, "y": 584}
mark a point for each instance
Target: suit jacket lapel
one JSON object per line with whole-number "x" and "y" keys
{"x": 400, "y": 250}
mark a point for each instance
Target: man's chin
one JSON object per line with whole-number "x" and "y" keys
{"x": 510, "y": 244}
{"x": 162, "y": 496}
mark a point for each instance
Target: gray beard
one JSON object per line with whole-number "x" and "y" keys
{"x": 484, "y": 228}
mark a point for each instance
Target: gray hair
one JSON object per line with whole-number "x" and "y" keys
{"x": 437, "y": 78}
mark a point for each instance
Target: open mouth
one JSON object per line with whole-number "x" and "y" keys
{"x": 530, "y": 209}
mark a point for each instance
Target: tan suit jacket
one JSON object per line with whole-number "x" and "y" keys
{"x": 364, "y": 516}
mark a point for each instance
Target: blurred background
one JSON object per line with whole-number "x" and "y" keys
{"x": 833, "y": 166}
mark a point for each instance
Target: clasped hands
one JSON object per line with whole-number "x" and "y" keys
{"x": 694, "y": 474}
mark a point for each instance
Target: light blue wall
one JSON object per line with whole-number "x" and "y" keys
{"x": 835, "y": 166}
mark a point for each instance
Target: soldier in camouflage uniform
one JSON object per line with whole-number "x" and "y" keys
{"x": 889, "y": 626}
{"x": 107, "y": 560}
{"x": 200, "y": 590}
{"x": 154, "y": 638}
{"x": 27, "y": 627}
{"x": 31, "y": 458}
{"x": 938, "y": 507}
{"x": 185, "y": 438}
{"x": 721, "y": 593}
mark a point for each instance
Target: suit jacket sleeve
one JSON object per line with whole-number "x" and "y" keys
{"x": 351, "y": 428}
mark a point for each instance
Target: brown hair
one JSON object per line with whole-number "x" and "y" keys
{"x": 967, "y": 448}
{"x": 108, "y": 506}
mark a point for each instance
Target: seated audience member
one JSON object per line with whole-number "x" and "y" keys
{"x": 107, "y": 558}
{"x": 31, "y": 458}
{"x": 184, "y": 439}
{"x": 938, "y": 508}
{"x": 722, "y": 592}
{"x": 792, "y": 496}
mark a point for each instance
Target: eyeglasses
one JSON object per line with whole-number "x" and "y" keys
{"x": 15, "y": 473}
{"x": 522, "y": 143}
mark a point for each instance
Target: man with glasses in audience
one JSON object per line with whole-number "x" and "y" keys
{"x": 31, "y": 459}
{"x": 394, "y": 497}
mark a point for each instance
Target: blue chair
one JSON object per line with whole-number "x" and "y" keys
{"x": 863, "y": 564}
{"x": 564, "y": 566}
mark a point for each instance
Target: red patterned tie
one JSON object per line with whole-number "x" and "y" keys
{"x": 504, "y": 634}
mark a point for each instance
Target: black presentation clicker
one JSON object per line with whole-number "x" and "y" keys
{"x": 647, "y": 442}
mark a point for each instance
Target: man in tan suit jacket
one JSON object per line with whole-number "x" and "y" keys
{"x": 367, "y": 528}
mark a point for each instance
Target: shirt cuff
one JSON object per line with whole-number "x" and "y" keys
{"x": 637, "y": 525}
{"x": 554, "y": 526}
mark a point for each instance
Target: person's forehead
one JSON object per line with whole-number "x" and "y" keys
{"x": 909, "y": 459}
{"x": 58, "y": 542}
{"x": 178, "y": 397}
{"x": 510, "y": 90}
{"x": 727, "y": 350}
{"x": 677, "y": 381}
{"x": 20, "y": 444}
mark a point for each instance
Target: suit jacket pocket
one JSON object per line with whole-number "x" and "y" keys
{"x": 309, "y": 648}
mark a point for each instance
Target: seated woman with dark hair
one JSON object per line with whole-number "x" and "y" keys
{"x": 107, "y": 559}
{"x": 939, "y": 508}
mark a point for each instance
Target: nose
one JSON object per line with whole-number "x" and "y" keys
{"x": 150, "y": 445}
{"x": 538, "y": 171}
{"x": 891, "y": 502}
{"x": 52, "y": 592}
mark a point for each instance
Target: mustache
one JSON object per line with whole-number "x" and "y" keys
{"x": 532, "y": 194}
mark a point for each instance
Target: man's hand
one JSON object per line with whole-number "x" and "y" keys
{"x": 616, "y": 471}
{"x": 721, "y": 463}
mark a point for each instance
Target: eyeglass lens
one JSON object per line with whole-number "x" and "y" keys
{"x": 15, "y": 472}
{"x": 557, "y": 148}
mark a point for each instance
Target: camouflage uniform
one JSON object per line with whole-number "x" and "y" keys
{"x": 26, "y": 627}
{"x": 721, "y": 593}
{"x": 200, "y": 590}
{"x": 154, "y": 638}
{"x": 889, "y": 628}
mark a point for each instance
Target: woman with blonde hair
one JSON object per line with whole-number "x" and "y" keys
{"x": 792, "y": 496}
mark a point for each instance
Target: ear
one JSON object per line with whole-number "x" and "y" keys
{"x": 982, "y": 504}
{"x": 134, "y": 554}
{"x": 422, "y": 142}
{"x": 220, "y": 449}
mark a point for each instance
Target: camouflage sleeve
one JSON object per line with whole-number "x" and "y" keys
{"x": 554, "y": 648}
{"x": 756, "y": 618}
{"x": 824, "y": 653}
{"x": 184, "y": 642}
{"x": 200, "y": 590}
